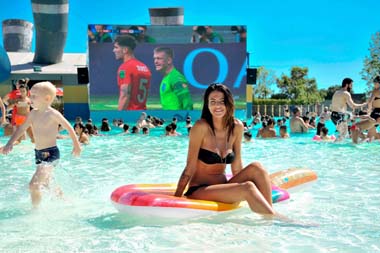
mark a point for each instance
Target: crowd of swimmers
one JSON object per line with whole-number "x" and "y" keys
{"x": 264, "y": 126}
{"x": 360, "y": 126}
{"x": 47, "y": 122}
{"x": 142, "y": 126}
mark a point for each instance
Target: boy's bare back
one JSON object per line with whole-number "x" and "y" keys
{"x": 45, "y": 127}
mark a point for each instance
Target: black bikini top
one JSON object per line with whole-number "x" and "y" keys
{"x": 376, "y": 98}
{"x": 210, "y": 157}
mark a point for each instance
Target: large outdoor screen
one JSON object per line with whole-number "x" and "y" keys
{"x": 200, "y": 55}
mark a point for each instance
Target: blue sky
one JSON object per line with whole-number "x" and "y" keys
{"x": 331, "y": 38}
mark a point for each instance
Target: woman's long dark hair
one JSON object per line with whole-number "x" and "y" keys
{"x": 228, "y": 119}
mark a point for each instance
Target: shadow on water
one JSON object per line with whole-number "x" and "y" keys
{"x": 6, "y": 214}
{"x": 242, "y": 216}
{"x": 125, "y": 221}
{"x": 245, "y": 217}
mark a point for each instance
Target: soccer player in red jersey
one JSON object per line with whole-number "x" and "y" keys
{"x": 133, "y": 76}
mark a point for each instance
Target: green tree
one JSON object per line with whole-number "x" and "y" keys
{"x": 327, "y": 94}
{"x": 371, "y": 67}
{"x": 279, "y": 96}
{"x": 298, "y": 87}
{"x": 265, "y": 80}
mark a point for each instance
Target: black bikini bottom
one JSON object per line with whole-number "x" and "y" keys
{"x": 192, "y": 189}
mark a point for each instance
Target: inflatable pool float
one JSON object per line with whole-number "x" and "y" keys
{"x": 293, "y": 179}
{"x": 158, "y": 200}
{"x": 319, "y": 138}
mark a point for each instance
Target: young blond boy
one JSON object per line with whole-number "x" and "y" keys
{"x": 45, "y": 120}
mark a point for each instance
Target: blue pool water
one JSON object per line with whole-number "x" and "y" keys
{"x": 344, "y": 202}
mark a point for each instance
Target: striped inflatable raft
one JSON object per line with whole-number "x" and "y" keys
{"x": 158, "y": 200}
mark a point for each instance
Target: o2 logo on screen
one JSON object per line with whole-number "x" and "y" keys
{"x": 223, "y": 68}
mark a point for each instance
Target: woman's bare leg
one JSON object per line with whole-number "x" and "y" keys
{"x": 256, "y": 173}
{"x": 236, "y": 192}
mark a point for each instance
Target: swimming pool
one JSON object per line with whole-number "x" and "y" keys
{"x": 344, "y": 202}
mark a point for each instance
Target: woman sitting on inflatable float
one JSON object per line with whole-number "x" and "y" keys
{"x": 158, "y": 200}
{"x": 215, "y": 141}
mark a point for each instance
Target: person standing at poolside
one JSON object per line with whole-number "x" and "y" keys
{"x": 133, "y": 76}
{"x": 339, "y": 102}
{"x": 45, "y": 121}
{"x": 215, "y": 141}
{"x": 21, "y": 109}
{"x": 297, "y": 124}
{"x": 174, "y": 88}
{"x": 20, "y": 94}
{"x": 15, "y": 94}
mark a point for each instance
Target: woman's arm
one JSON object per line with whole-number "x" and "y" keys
{"x": 237, "y": 164}
{"x": 351, "y": 102}
{"x": 196, "y": 136}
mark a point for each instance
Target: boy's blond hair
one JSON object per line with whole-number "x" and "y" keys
{"x": 46, "y": 88}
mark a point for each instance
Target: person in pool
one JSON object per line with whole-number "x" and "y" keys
{"x": 324, "y": 135}
{"x": 297, "y": 124}
{"x": 284, "y": 132}
{"x": 339, "y": 102}
{"x": 21, "y": 108}
{"x": 374, "y": 104}
{"x": 215, "y": 141}
{"x": 45, "y": 121}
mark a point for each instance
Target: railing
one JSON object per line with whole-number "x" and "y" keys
{"x": 279, "y": 110}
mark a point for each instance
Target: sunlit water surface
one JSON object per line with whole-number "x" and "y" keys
{"x": 344, "y": 203}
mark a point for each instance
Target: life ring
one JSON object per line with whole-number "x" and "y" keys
{"x": 158, "y": 199}
{"x": 318, "y": 138}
